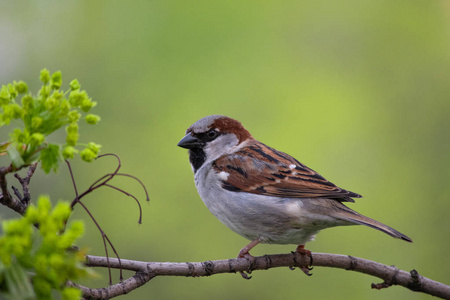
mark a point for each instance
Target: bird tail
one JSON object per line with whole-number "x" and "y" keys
{"x": 356, "y": 218}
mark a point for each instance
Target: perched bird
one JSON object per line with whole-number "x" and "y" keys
{"x": 263, "y": 194}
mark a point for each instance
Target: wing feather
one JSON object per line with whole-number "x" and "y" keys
{"x": 259, "y": 169}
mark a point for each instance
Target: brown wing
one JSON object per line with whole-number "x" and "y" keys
{"x": 259, "y": 169}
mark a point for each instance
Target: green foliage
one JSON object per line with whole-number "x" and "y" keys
{"x": 41, "y": 115}
{"x": 34, "y": 263}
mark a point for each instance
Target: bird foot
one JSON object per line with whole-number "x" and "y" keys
{"x": 302, "y": 251}
{"x": 251, "y": 259}
{"x": 244, "y": 253}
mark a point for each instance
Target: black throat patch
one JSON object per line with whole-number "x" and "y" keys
{"x": 196, "y": 157}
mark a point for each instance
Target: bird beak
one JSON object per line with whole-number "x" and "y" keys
{"x": 190, "y": 142}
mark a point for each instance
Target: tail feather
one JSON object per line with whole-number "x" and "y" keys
{"x": 381, "y": 227}
{"x": 352, "y": 216}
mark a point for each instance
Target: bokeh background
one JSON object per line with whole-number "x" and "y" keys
{"x": 357, "y": 90}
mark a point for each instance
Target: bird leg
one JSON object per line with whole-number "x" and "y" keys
{"x": 244, "y": 253}
{"x": 301, "y": 250}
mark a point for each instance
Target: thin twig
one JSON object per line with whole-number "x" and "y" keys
{"x": 109, "y": 176}
{"x": 103, "y": 181}
{"x": 25, "y": 182}
{"x": 129, "y": 195}
{"x": 105, "y": 239}
{"x": 73, "y": 179}
{"x": 17, "y": 193}
{"x": 140, "y": 182}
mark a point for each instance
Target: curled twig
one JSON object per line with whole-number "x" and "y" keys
{"x": 129, "y": 195}
{"x": 104, "y": 181}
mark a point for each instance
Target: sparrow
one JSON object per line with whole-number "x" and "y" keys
{"x": 263, "y": 194}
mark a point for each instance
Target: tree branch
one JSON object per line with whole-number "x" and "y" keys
{"x": 122, "y": 288}
{"x": 5, "y": 197}
{"x": 148, "y": 270}
{"x": 145, "y": 271}
{"x": 25, "y": 182}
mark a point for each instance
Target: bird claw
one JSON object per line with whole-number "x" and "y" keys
{"x": 250, "y": 258}
{"x": 245, "y": 275}
{"x": 302, "y": 251}
{"x": 306, "y": 270}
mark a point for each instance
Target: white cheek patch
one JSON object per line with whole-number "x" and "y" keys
{"x": 222, "y": 145}
{"x": 224, "y": 175}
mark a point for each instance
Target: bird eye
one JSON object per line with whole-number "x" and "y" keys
{"x": 212, "y": 134}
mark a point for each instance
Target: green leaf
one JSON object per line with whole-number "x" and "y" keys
{"x": 5, "y": 96}
{"x": 38, "y": 116}
{"x": 3, "y": 147}
{"x": 56, "y": 80}
{"x": 21, "y": 87}
{"x": 16, "y": 158}
{"x": 70, "y": 293}
{"x": 18, "y": 283}
{"x": 74, "y": 116}
{"x": 92, "y": 119}
{"x": 94, "y": 147}
{"x": 87, "y": 155}
{"x": 50, "y": 158}
{"x": 45, "y": 76}
{"x": 37, "y": 139}
{"x": 74, "y": 85}
{"x": 69, "y": 152}
{"x": 27, "y": 102}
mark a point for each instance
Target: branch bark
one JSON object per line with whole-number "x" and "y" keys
{"x": 145, "y": 271}
{"x": 5, "y": 197}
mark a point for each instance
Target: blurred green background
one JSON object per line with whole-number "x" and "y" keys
{"x": 357, "y": 90}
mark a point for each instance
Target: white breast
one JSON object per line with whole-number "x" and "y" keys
{"x": 270, "y": 219}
